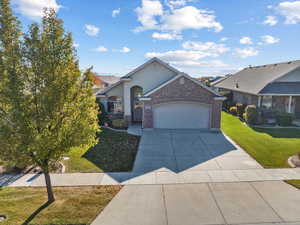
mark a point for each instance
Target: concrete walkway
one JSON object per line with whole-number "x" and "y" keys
{"x": 156, "y": 177}
{"x": 199, "y": 204}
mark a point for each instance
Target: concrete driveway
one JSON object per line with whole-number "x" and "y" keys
{"x": 202, "y": 204}
{"x": 189, "y": 150}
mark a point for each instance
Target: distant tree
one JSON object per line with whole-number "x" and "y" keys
{"x": 53, "y": 108}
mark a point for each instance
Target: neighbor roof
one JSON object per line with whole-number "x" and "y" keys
{"x": 286, "y": 88}
{"x": 253, "y": 80}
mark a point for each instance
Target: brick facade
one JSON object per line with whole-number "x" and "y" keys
{"x": 183, "y": 90}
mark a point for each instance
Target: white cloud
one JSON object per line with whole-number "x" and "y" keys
{"x": 268, "y": 39}
{"x": 210, "y": 64}
{"x": 210, "y": 48}
{"x": 147, "y": 13}
{"x": 166, "y": 36}
{"x": 290, "y": 10}
{"x": 115, "y": 12}
{"x": 152, "y": 16}
{"x": 75, "y": 45}
{"x": 34, "y": 8}
{"x": 101, "y": 49}
{"x": 270, "y": 20}
{"x": 190, "y": 17}
{"x": 91, "y": 30}
{"x": 224, "y": 39}
{"x": 245, "y": 52}
{"x": 246, "y": 41}
{"x": 192, "y": 54}
{"x": 125, "y": 49}
{"x": 177, "y": 3}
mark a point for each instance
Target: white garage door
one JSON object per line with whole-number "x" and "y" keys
{"x": 181, "y": 116}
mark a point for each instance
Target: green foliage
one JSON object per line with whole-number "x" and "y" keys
{"x": 233, "y": 110}
{"x": 11, "y": 85}
{"x": 48, "y": 106}
{"x": 119, "y": 123}
{"x": 284, "y": 119}
{"x": 240, "y": 108}
{"x": 102, "y": 114}
{"x": 251, "y": 114}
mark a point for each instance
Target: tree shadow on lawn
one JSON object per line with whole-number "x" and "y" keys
{"x": 115, "y": 152}
{"x": 36, "y": 212}
{"x": 279, "y": 132}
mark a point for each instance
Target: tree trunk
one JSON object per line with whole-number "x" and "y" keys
{"x": 49, "y": 187}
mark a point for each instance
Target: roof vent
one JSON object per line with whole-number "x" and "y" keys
{"x": 289, "y": 62}
{"x": 250, "y": 66}
{"x": 275, "y": 64}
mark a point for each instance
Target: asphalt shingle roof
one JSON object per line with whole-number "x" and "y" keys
{"x": 254, "y": 79}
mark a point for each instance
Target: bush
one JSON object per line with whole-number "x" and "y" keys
{"x": 119, "y": 124}
{"x": 251, "y": 114}
{"x": 102, "y": 115}
{"x": 240, "y": 109}
{"x": 284, "y": 119}
{"x": 233, "y": 110}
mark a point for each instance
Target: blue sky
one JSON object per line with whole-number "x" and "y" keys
{"x": 199, "y": 37}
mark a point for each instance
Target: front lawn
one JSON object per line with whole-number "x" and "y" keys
{"x": 295, "y": 183}
{"x": 73, "y": 205}
{"x": 115, "y": 152}
{"x": 270, "y": 147}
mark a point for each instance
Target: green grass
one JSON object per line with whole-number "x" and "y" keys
{"x": 270, "y": 147}
{"x": 115, "y": 152}
{"x": 295, "y": 183}
{"x": 73, "y": 205}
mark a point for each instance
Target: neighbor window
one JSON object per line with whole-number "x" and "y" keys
{"x": 114, "y": 105}
{"x": 266, "y": 102}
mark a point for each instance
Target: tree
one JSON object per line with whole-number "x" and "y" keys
{"x": 55, "y": 108}
{"x": 11, "y": 72}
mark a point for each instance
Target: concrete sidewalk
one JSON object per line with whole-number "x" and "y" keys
{"x": 157, "y": 177}
{"x": 199, "y": 204}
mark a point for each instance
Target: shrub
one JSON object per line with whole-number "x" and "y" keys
{"x": 102, "y": 115}
{"x": 240, "y": 109}
{"x": 284, "y": 119}
{"x": 233, "y": 110}
{"x": 251, "y": 114}
{"x": 119, "y": 124}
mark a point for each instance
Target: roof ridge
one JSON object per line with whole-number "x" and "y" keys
{"x": 273, "y": 64}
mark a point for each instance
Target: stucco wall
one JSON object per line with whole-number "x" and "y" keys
{"x": 148, "y": 78}
{"x": 187, "y": 91}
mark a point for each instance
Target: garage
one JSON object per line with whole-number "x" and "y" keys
{"x": 181, "y": 116}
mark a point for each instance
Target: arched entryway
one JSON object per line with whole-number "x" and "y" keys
{"x": 136, "y": 105}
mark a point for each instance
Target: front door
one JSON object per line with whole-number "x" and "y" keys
{"x": 297, "y": 107}
{"x": 136, "y": 104}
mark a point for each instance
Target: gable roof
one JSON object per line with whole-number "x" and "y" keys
{"x": 177, "y": 77}
{"x": 155, "y": 59}
{"x": 253, "y": 80}
{"x": 128, "y": 75}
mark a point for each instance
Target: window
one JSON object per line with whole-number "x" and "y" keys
{"x": 266, "y": 102}
{"x": 114, "y": 104}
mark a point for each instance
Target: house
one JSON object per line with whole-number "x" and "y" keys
{"x": 103, "y": 81}
{"x": 275, "y": 86}
{"x": 159, "y": 96}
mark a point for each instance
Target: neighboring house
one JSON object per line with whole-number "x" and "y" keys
{"x": 159, "y": 96}
{"x": 275, "y": 86}
{"x": 103, "y": 81}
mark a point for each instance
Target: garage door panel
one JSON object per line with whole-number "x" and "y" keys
{"x": 181, "y": 116}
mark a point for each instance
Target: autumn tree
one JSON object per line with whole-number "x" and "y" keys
{"x": 53, "y": 109}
